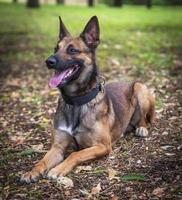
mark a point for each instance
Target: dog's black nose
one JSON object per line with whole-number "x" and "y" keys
{"x": 51, "y": 62}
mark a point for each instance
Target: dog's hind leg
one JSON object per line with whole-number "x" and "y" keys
{"x": 146, "y": 108}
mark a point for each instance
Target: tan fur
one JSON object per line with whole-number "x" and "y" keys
{"x": 146, "y": 101}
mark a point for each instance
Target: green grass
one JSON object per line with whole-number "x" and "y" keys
{"x": 133, "y": 177}
{"x": 135, "y": 36}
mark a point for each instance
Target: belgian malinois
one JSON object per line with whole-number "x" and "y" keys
{"x": 88, "y": 114}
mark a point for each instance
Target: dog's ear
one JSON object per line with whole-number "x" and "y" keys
{"x": 63, "y": 32}
{"x": 91, "y": 32}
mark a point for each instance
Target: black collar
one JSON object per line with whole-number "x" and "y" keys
{"x": 83, "y": 99}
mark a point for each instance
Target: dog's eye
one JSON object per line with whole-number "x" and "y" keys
{"x": 71, "y": 50}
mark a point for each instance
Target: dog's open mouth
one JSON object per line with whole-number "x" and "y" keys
{"x": 63, "y": 76}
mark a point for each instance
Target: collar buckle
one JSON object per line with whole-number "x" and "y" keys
{"x": 101, "y": 81}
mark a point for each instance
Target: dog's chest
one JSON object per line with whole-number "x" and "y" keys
{"x": 67, "y": 129}
{"x": 69, "y": 119}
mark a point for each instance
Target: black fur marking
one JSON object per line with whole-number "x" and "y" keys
{"x": 76, "y": 113}
{"x": 76, "y": 144}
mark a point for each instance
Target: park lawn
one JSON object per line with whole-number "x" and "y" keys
{"x": 133, "y": 36}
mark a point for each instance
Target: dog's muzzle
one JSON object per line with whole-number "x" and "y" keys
{"x": 65, "y": 71}
{"x": 54, "y": 62}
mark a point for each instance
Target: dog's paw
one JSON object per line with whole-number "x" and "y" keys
{"x": 58, "y": 171}
{"x": 141, "y": 132}
{"x": 29, "y": 177}
{"x": 54, "y": 173}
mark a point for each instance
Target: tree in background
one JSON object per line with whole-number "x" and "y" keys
{"x": 117, "y": 3}
{"x": 90, "y": 3}
{"x": 149, "y": 3}
{"x": 60, "y": 1}
{"x": 15, "y": 1}
{"x": 33, "y": 4}
{"x": 173, "y": 2}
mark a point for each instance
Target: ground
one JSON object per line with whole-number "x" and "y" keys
{"x": 136, "y": 44}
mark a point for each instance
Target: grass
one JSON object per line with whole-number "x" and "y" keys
{"x": 135, "y": 36}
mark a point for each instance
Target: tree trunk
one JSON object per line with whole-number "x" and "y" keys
{"x": 15, "y": 1}
{"x": 60, "y": 1}
{"x": 33, "y": 3}
{"x": 149, "y": 4}
{"x": 117, "y": 3}
{"x": 90, "y": 3}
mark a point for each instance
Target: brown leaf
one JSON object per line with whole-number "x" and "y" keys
{"x": 65, "y": 181}
{"x": 96, "y": 190}
{"x": 37, "y": 147}
{"x": 115, "y": 198}
{"x": 83, "y": 168}
{"x": 159, "y": 192}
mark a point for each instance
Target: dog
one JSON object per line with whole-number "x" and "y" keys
{"x": 89, "y": 114}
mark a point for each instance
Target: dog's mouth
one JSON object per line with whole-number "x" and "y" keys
{"x": 61, "y": 77}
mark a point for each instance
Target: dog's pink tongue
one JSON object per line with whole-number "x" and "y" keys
{"x": 57, "y": 79}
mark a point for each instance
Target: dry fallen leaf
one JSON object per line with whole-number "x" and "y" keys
{"x": 65, "y": 181}
{"x": 37, "y": 147}
{"x": 165, "y": 133}
{"x": 112, "y": 173}
{"x": 84, "y": 192}
{"x": 96, "y": 190}
{"x": 114, "y": 62}
{"x": 15, "y": 95}
{"x": 169, "y": 154}
{"x": 83, "y": 168}
{"x": 129, "y": 189}
{"x": 159, "y": 192}
{"x": 115, "y": 198}
{"x": 166, "y": 147}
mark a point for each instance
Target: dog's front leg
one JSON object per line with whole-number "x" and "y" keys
{"x": 54, "y": 156}
{"x": 76, "y": 158}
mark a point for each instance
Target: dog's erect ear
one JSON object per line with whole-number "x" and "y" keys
{"x": 63, "y": 32}
{"x": 91, "y": 32}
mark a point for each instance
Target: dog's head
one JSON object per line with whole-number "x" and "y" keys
{"x": 74, "y": 57}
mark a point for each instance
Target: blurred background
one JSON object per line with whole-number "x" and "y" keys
{"x": 140, "y": 40}
{"x": 137, "y": 34}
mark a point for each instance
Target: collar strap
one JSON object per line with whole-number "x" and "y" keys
{"x": 83, "y": 99}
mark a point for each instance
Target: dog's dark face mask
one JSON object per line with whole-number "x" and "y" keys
{"x": 74, "y": 58}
